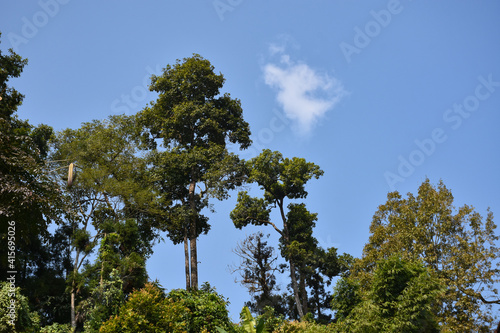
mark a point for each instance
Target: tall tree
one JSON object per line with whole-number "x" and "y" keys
{"x": 281, "y": 179}
{"x": 44, "y": 265}
{"x": 457, "y": 245}
{"x": 29, "y": 202}
{"x": 315, "y": 266}
{"x": 27, "y": 196}
{"x": 195, "y": 123}
{"x": 111, "y": 187}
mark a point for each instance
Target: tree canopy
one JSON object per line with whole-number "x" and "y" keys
{"x": 457, "y": 245}
{"x": 195, "y": 123}
{"x": 402, "y": 297}
{"x": 81, "y": 211}
{"x": 284, "y": 179}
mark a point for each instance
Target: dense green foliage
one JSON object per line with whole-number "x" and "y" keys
{"x": 285, "y": 179}
{"x": 104, "y": 301}
{"x": 458, "y": 246}
{"x": 195, "y": 124}
{"x": 402, "y": 297}
{"x": 29, "y": 202}
{"x": 148, "y": 311}
{"x": 56, "y": 328}
{"x": 15, "y": 313}
{"x": 248, "y": 323}
{"x": 207, "y": 309}
{"x": 111, "y": 206}
{"x": 89, "y": 204}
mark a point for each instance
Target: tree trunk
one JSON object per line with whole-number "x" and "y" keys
{"x": 194, "y": 259}
{"x": 318, "y": 304}
{"x": 73, "y": 320}
{"x": 73, "y": 291}
{"x": 295, "y": 288}
{"x": 101, "y": 281}
{"x": 186, "y": 258}
{"x": 303, "y": 291}
{"x": 193, "y": 237}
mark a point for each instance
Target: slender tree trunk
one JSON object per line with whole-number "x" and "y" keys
{"x": 194, "y": 261}
{"x": 193, "y": 237}
{"x": 318, "y": 304}
{"x": 295, "y": 286}
{"x": 303, "y": 291}
{"x": 186, "y": 258}
{"x": 266, "y": 289}
{"x": 73, "y": 321}
{"x": 73, "y": 291}
{"x": 101, "y": 281}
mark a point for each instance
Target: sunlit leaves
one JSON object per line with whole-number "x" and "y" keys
{"x": 457, "y": 245}
{"x": 282, "y": 177}
{"x": 401, "y": 297}
{"x": 250, "y": 210}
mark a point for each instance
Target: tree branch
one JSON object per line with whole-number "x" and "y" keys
{"x": 268, "y": 222}
{"x": 478, "y": 295}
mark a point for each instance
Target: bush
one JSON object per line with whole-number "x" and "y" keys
{"x": 304, "y": 327}
{"x": 401, "y": 298}
{"x": 207, "y": 309}
{"x": 148, "y": 311}
{"x": 57, "y": 328}
{"x": 25, "y": 320}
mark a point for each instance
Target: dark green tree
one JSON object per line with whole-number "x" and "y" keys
{"x": 207, "y": 309}
{"x": 120, "y": 268}
{"x": 315, "y": 266}
{"x": 281, "y": 179}
{"x": 402, "y": 297}
{"x": 301, "y": 247}
{"x": 195, "y": 123}
{"x": 322, "y": 267}
{"x": 29, "y": 202}
{"x": 104, "y": 301}
{"x": 46, "y": 263}
{"x": 457, "y": 245}
{"x": 27, "y": 194}
{"x": 346, "y": 296}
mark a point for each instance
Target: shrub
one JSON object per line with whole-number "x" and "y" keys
{"x": 207, "y": 309}
{"x": 14, "y": 307}
{"x": 57, "y": 328}
{"x": 148, "y": 311}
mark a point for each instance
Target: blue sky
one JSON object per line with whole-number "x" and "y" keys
{"x": 379, "y": 94}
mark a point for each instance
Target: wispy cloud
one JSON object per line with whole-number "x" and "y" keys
{"x": 304, "y": 93}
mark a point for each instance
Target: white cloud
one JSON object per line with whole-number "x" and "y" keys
{"x": 304, "y": 94}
